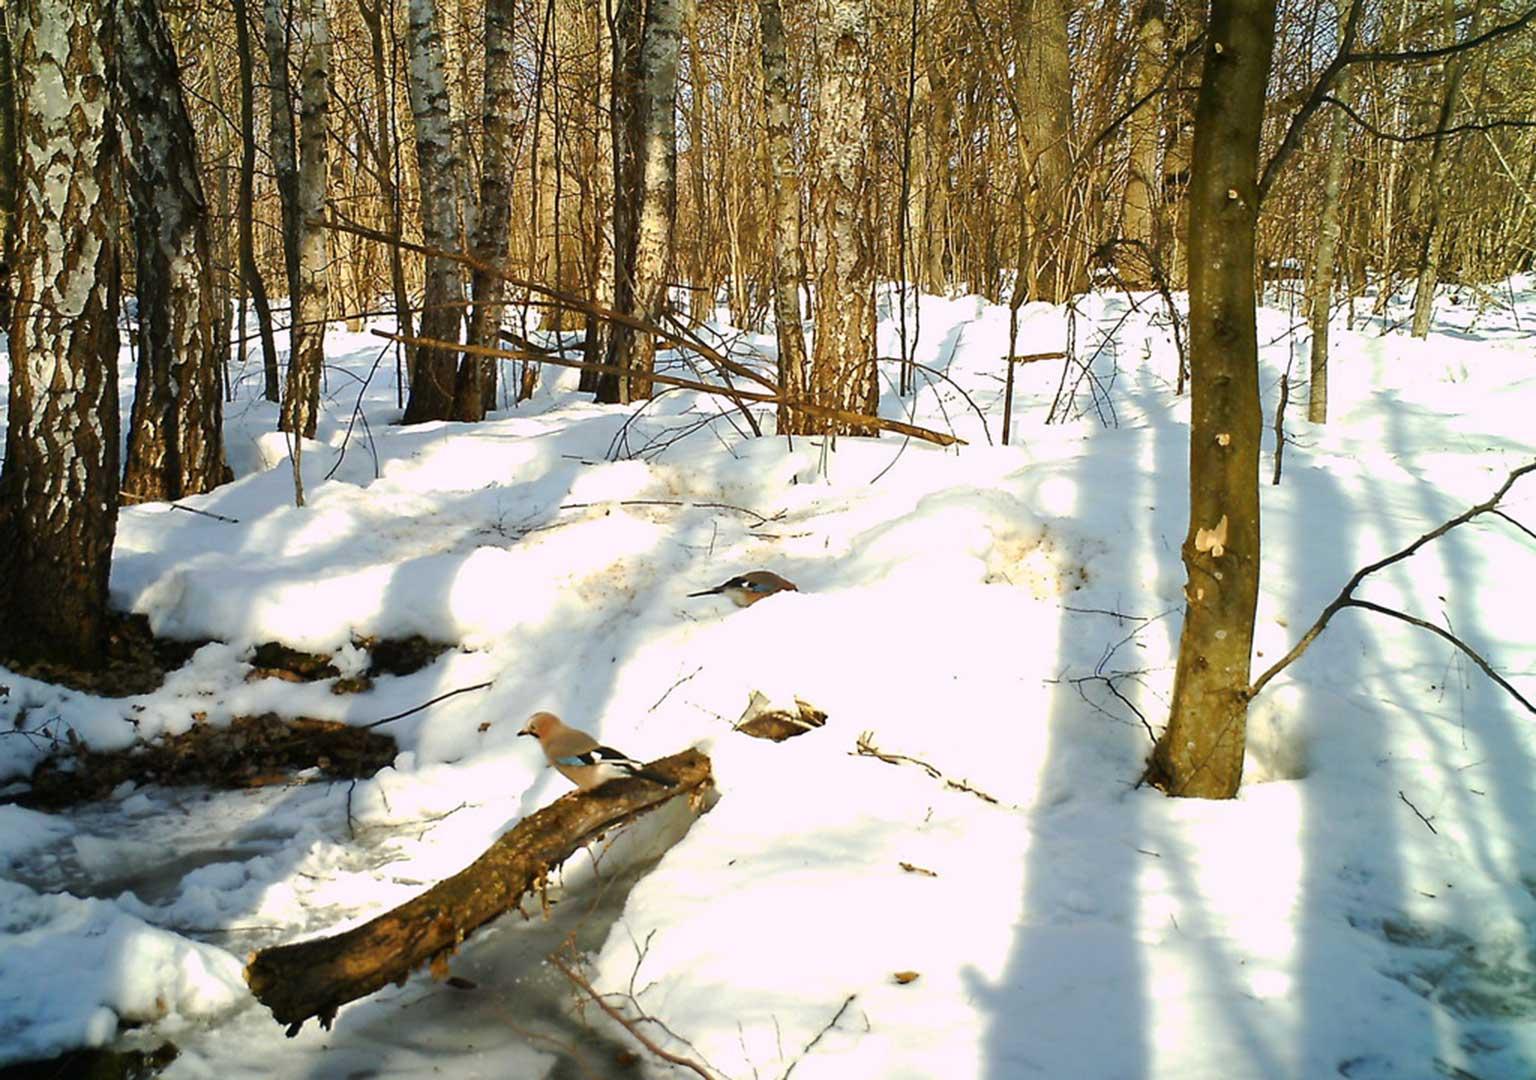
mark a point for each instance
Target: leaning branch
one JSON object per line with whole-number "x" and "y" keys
{"x": 315, "y": 978}
{"x": 1346, "y": 595}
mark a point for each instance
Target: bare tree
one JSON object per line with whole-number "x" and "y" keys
{"x": 784, "y": 194}
{"x": 438, "y": 164}
{"x": 655, "y": 136}
{"x": 843, "y": 372}
{"x": 1200, "y": 753}
{"x": 311, "y": 301}
{"x": 175, "y": 439}
{"x": 58, "y": 488}
{"x": 1438, "y": 178}
{"x": 277, "y": 23}
{"x": 475, "y": 391}
{"x": 245, "y": 205}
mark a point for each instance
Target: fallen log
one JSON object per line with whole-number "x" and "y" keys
{"x": 314, "y": 978}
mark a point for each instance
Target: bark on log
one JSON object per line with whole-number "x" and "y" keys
{"x": 315, "y": 978}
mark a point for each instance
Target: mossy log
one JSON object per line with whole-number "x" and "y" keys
{"x": 314, "y": 978}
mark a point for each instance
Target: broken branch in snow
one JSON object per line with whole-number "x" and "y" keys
{"x": 426, "y": 704}
{"x": 1417, "y": 813}
{"x": 315, "y": 978}
{"x": 632, "y": 1026}
{"x": 1346, "y": 596}
{"x": 866, "y": 747}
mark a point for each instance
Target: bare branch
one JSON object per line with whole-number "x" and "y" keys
{"x": 1346, "y": 595}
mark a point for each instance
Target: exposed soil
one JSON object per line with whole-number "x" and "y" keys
{"x": 252, "y": 751}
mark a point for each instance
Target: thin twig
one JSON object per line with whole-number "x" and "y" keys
{"x": 426, "y": 704}
{"x": 179, "y": 506}
{"x": 847, "y": 1001}
{"x": 1416, "y": 813}
{"x": 577, "y": 980}
{"x": 865, "y": 747}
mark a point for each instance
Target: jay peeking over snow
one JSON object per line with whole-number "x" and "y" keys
{"x": 580, "y": 759}
{"x": 747, "y": 589}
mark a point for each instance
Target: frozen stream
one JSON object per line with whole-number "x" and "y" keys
{"x": 207, "y": 865}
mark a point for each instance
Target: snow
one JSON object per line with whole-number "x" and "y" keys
{"x": 1006, "y": 615}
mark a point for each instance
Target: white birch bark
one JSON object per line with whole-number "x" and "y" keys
{"x": 843, "y": 361}
{"x": 59, "y": 484}
{"x": 307, "y": 337}
{"x": 438, "y": 164}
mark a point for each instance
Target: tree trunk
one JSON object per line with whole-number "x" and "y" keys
{"x": 595, "y": 349}
{"x": 1439, "y": 167}
{"x": 310, "y": 304}
{"x": 385, "y": 151}
{"x": 656, "y": 208}
{"x": 277, "y": 22}
{"x": 1143, "y": 202}
{"x": 9, "y": 168}
{"x": 784, "y": 195}
{"x": 843, "y": 372}
{"x": 1040, "y": 36}
{"x": 250, "y": 273}
{"x": 475, "y": 390}
{"x": 627, "y": 24}
{"x": 1321, "y": 299}
{"x": 437, "y": 164}
{"x": 175, "y": 439}
{"x": 58, "y": 488}
{"x": 1200, "y": 753}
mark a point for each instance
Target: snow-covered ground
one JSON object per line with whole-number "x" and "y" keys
{"x": 1366, "y": 908}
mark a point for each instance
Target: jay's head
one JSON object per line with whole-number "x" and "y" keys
{"x": 541, "y": 725}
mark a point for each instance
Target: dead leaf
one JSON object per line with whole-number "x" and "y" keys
{"x": 904, "y": 977}
{"x": 909, "y": 868}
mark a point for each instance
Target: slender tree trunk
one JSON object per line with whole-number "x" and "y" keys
{"x": 475, "y": 390}
{"x": 628, "y": 24}
{"x": 311, "y": 302}
{"x": 59, "y": 484}
{"x": 384, "y": 157}
{"x": 175, "y": 441}
{"x": 1436, "y": 180}
{"x": 250, "y": 273}
{"x": 1040, "y": 34}
{"x": 604, "y": 249}
{"x": 9, "y": 168}
{"x": 843, "y": 372}
{"x": 1321, "y": 299}
{"x": 277, "y": 20}
{"x": 1200, "y": 753}
{"x": 656, "y": 208}
{"x": 1143, "y": 204}
{"x": 784, "y": 196}
{"x": 437, "y": 164}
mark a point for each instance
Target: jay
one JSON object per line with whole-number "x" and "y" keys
{"x": 580, "y": 758}
{"x": 744, "y": 590}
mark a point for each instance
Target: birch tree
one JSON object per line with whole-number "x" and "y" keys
{"x": 277, "y": 24}
{"x": 1200, "y": 753}
{"x": 306, "y": 358}
{"x": 175, "y": 439}
{"x": 437, "y": 165}
{"x": 784, "y": 194}
{"x": 843, "y": 372}
{"x": 245, "y": 206}
{"x": 475, "y": 390}
{"x": 656, "y": 168}
{"x": 58, "y": 488}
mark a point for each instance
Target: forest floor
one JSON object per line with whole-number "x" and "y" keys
{"x": 1007, "y": 616}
